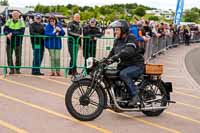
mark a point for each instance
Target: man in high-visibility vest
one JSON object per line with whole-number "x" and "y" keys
{"x": 14, "y": 29}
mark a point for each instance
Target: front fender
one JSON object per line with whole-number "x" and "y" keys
{"x": 81, "y": 78}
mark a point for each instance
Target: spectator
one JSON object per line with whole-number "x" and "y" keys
{"x": 14, "y": 27}
{"x": 53, "y": 44}
{"x": 89, "y": 45}
{"x": 37, "y": 28}
{"x": 147, "y": 29}
{"x": 161, "y": 30}
{"x": 1, "y": 23}
{"x": 186, "y": 35}
{"x": 135, "y": 31}
{"x": 75, "y": 31}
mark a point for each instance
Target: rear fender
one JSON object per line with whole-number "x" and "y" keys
{"x": 168, "y": 88}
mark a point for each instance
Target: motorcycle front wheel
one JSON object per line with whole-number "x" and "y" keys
{"x": 81, "y": 106}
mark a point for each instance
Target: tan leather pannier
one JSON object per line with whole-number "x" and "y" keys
{"x": 153, "y": 69}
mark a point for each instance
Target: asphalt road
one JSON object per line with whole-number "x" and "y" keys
{"x": 192, "y": 62}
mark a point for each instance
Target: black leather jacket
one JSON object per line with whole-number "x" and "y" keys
{"x": 127, "y": 51}
{"x": 37, "y": 29}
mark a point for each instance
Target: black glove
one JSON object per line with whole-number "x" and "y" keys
{"x": 109, "y": 61}
{"x": 112, "y": 59}
{"x": 115, "y": 57}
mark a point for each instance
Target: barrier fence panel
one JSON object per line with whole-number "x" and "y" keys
{"x": 98, "y": 48}
{"x": 21, "y": 50}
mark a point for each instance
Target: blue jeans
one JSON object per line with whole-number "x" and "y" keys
{"x": 37, "y": 59}
{"x": 127, "y": 75}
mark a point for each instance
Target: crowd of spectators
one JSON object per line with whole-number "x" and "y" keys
{"x": 142, "y": 29}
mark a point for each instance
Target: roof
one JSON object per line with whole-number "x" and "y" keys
{"x": 22, "y": 10}
{"x": 2, "y": 8}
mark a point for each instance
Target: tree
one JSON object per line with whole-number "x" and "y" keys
{"x": 140, "y": 11}
{"x": 75, "y": 9}
{"x": 111, "y": 12}
{"x": 191, "y": 16}
{"x": 4, "y": 3}
{"x": 155, "y": 18}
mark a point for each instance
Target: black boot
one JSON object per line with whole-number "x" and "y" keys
{"x": 134, "y": 101}
{"x": 18, "y": 71}
{"x": 12, "y": 71}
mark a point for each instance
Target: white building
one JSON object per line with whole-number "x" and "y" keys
{"x": 22, "y": 10}
{"x": 168, "y": 14}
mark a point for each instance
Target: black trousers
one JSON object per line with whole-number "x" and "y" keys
{"x": 73, "y": 51}
{"x": 38, "y": 54}
{"x": 18, "y": 53}
{"x": 89, "y": 50}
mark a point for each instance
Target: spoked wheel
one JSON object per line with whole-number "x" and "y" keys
{"x": 154, "y": 96}
{"x": 82, "y": 106}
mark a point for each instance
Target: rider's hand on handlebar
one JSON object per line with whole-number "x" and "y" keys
{"x": 109, "y": 61}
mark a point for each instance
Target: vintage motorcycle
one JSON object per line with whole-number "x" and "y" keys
{"x": 102, "y": 88}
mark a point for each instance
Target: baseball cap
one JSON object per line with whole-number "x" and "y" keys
{"x": 93, "y": 20}
{"x": 38, "y": 15}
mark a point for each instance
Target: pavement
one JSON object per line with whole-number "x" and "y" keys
{"x": 35, "y": 104}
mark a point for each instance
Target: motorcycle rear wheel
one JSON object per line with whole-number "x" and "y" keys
{"x": 160, "y": 88}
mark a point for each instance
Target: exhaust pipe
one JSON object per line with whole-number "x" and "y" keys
{"x": 133, "y": 109}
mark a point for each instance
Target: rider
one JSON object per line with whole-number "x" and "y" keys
{"x": 131, "y": 60}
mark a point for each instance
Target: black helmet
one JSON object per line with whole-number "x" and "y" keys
{"x": 120, "y": 24}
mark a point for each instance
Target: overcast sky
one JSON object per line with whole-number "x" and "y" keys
{"x": 160, "y": 4}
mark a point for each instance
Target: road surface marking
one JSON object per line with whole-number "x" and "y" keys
{"x": 174, "y": 114}
{"x": 128, "y": 116}
{"x": 33, "y": 88}
{"x": 53, "y": 113}
{"x": 12, "y": 127}
{"x": 188, "y": 105}
{"x": 183, "y": 117}
{"x": 185, "y": 94}
{"x": 146, "y": 122}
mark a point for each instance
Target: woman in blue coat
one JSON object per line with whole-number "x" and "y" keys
{"x": 54, "y": 44}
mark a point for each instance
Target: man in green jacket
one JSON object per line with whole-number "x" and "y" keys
{"x": 14, "y": 29}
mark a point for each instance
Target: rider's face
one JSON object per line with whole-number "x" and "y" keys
{"x": 117, "y": 32}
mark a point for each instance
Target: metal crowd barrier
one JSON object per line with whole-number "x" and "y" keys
{"x": 99, "y": 49}
{"x": 27, "y": 53}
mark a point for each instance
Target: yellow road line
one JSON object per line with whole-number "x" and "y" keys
{"x": 185, "y": 94}
{"x": 62, "y": 83}
{"x": 180, "y": 116}
{"x": 56, "y": 81}
{"x": 131, "y": 117}
{"x": 183, "y": 117}
{"x": 12, "y": 127}
{"x": 53, "y": 113}
{"x": 170, "y": 76}
{"x": 33, "y": 88}
{"x": 56, "y": 77}
{"x": 188, "y": 105}
{"x": 146, "y": 122}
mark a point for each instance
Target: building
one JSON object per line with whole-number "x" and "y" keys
{"x": 168, "y": 14}
{"x": 10, "y": 9}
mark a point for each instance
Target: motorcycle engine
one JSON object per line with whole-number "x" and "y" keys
{"x": 121, "y": 93}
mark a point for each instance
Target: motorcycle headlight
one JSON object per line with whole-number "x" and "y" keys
{"x": 90, "y": 62}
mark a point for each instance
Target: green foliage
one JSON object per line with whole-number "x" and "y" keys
{"x": 140, "y": 11}
{"x": 4, "y": 3}
{"x": 110, "y": 12}
{"x": 155, "y": 18}
{"x": 192, "y": 15}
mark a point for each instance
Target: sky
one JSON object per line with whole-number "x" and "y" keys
{"x": 160, "y": 4}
